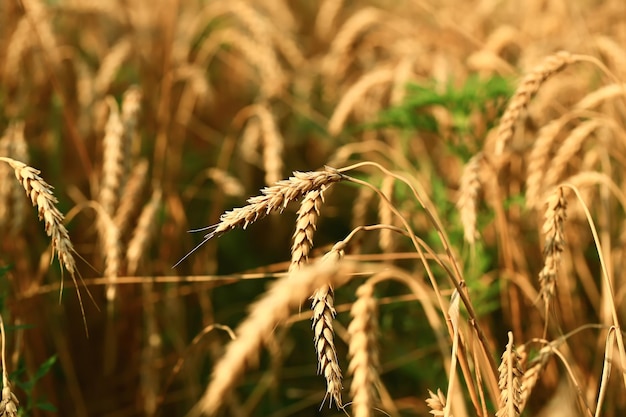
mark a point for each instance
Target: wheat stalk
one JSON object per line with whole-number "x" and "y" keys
{"x": 272, "y": 199}
{"x": 111, "y": 63}
{"x": 363, "y": 351}
{"x": 265, "y": 314}
{"x": 272, "y": 145}
{"x": 525, "y": 92}
{"x": 555, "y": 216}
{"x": 130, "y": 196}
{"x": 539, "y": 157}
{"x": 509, "y": 382}
{"x": 468, "y": 196}
{"x": 385, "y": 215}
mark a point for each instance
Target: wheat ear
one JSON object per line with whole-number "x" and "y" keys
{"x": 510, "y": 382}
{"x": 306, "y": 224}
{"x": 141, "y": 236}
{"x": 468, "y": 196}
{"x": 555, "y": 216}
{"x": 41, "y": 195}
{"x": 436, "y": 403}
{"x": 265, "y": 314}
{"x": 323, "y": 306}
{"x": 272, "y": 199}
{"x": 8, "y": 402}
{"x": 525, "y": 92}
{"x": 363, "y": 351}
{"x": 533, "y": 372}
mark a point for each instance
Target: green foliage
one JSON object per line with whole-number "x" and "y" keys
{"x": 28, "y": 385}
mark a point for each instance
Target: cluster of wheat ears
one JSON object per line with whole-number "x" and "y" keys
{"x": 150, "y": 121}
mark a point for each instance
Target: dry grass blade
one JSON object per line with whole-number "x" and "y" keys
{"x": 363, "y": 351}
{"x": 555, "y": 216}
{"x": 469, "y": 189}
{"x": 436, "y": 403}
{"x": 274, "y": 198}
{"x": 510, "y": 382}
{"x": 273, "y": 308}
{"x": 525, "y": 92}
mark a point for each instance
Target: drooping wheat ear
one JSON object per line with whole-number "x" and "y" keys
{"x": 436, "y": 403}
{"x": 229, "y": 185}
{"x": 363, "y": 351}
{"x": 129, "y": 200}
{"x": 141, "y": 236}
{"x": 539, "y": 157}
{"x": 40, "y": 193}
{"x": 306, "y": 224}
{"x": 468, "y": 197}
{"x": 250, "y": 141}
{"x": 274, "y": 198}
{"x": 109, "y": 66}
{"x": 8, "y": 402}
{"x": 323, "y": 306}
{"x": 571, "y": 145}
{"x": 525, "y": 92}
{"x": 272, "y": 145}
{"x": 555, "y": 216}
{"x": 112, "y": 160}
{"x": 265, "y": 314}
{"x": 533, "y": 372}
{"x": 510, "y": 382}
{"x": 355, "y": 94}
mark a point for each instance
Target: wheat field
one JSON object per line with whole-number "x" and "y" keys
{"x": 281, "y": 208}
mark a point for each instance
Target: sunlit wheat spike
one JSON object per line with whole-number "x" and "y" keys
{"x": 112, "y": 160}
{"x": 274, "y": 307}
{"x": 130, "y": 198}
{"x": 272, "y": 199}
{"x": 525, "y": 92}
{"x": 553, "y": 229}
{"x": 363, "y": 352}
{"x": 510, "y": 382}
{"x": 272, "y": 145}
{"x": 468, "y": 197}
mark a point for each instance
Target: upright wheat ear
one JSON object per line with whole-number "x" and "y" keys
{"x": 525, "y": 92}
{"x": 555, "y": 216}
{"x": 510, "y": 382}
{"x": 363, "y": 351}
{"x": 468, "y": 196}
